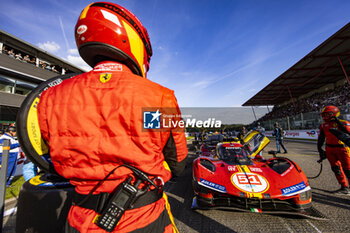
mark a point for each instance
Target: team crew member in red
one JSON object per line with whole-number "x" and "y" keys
{"x": 94, "y": 122}
{"x": 337, "y": 153}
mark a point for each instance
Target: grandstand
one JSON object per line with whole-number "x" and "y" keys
{"x": 22, "y": 67}
{"x": 318, "y": 79}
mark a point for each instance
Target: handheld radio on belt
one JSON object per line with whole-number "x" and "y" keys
{"x": 123, "y": 198}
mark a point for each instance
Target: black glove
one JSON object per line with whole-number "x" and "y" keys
{"x": 322, "y": 156}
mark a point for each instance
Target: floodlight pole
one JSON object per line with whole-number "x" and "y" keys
{"x": 254, "y": 113}
{"x": 346, "y": 75}
{"x": 290, "y": 93}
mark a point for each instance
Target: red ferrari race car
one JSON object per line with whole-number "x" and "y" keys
{"x": 209, "y": 144}
{"x": 237, "y": 178}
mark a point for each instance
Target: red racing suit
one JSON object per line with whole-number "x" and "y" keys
{"x": 93, "y": 123}
{"x": 338, "y": 154}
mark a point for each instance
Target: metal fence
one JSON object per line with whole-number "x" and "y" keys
{"x": 309, "y": 120}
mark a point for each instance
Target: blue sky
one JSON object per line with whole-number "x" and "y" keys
{"x": 213, "y": 53}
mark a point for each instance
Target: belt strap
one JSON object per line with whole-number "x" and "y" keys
{"x": 336, "y": 145}
{"x": 96, "y": 202}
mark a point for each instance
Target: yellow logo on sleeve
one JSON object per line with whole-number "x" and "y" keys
{"x": 105, "y": 77}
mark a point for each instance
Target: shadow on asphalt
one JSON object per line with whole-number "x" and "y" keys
{"x": 331, "y": 199}
{"x": 182, "y": 189}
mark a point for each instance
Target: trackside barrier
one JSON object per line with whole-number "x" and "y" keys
{"x": 3, "y": 178}
{"x": 311, "y": 134}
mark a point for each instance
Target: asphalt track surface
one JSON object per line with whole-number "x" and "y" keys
{"x": 335, "y": 207}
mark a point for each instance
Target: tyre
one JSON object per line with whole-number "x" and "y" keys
{"x": 28, "y": 131}
{"x": 43, "y": 204}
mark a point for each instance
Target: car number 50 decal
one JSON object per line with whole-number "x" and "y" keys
{"x": 250, "y": 182}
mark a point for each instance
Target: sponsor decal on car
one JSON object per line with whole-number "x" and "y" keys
{"x": 255, "y": 169}
{"x": 295, "y": 189}
{"x": 231, "y": 168}
{"x": 212, "y": 185}
{"x": 250, "y": 182}
{"x": 288, "y": 170}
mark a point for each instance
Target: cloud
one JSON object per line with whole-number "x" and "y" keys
{"x": 49, "y": 46}
{"x": 202, "y": 84}
{"x": 73, "y": 51}
{"x": 78, "y": 61}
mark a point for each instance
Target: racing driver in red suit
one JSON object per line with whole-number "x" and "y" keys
{"x": 93, "y": 123}
{"x": 337, "y": 153}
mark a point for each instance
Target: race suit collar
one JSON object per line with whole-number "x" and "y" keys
{"x": 111, "y": 66}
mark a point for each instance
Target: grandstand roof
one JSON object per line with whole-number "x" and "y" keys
{"x": 322, "y": 66}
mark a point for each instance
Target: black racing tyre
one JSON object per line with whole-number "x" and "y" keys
{"x": 43, "y": 204}
{"x": 28, "y": 130}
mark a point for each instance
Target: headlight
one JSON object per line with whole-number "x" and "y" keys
{"x": 304, "y": 196}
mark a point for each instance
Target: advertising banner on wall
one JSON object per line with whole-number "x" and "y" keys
{"x": 347, "y": 117}
{"x": 298, "y": 134}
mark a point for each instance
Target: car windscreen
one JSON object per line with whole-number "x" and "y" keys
{"x": 214, "y": 139}
{"x": 235, "y": 155}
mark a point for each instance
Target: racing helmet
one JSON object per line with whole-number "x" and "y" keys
{"x": 329, "y": 112}
{"x": 109, "y": 32}
{"x": 12, "y": 128}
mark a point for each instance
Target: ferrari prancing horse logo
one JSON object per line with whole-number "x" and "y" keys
{"x": 105, "y": 77}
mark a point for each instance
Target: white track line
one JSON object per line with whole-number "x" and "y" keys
{"x": 318, "y": 230}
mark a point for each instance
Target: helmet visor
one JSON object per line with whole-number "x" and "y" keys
{"x": 327, "y": 115}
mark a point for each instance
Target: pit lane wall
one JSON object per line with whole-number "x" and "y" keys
{"x": 310, "y": 134}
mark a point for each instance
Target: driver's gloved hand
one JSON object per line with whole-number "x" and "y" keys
{"x": 322, "y": 156}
